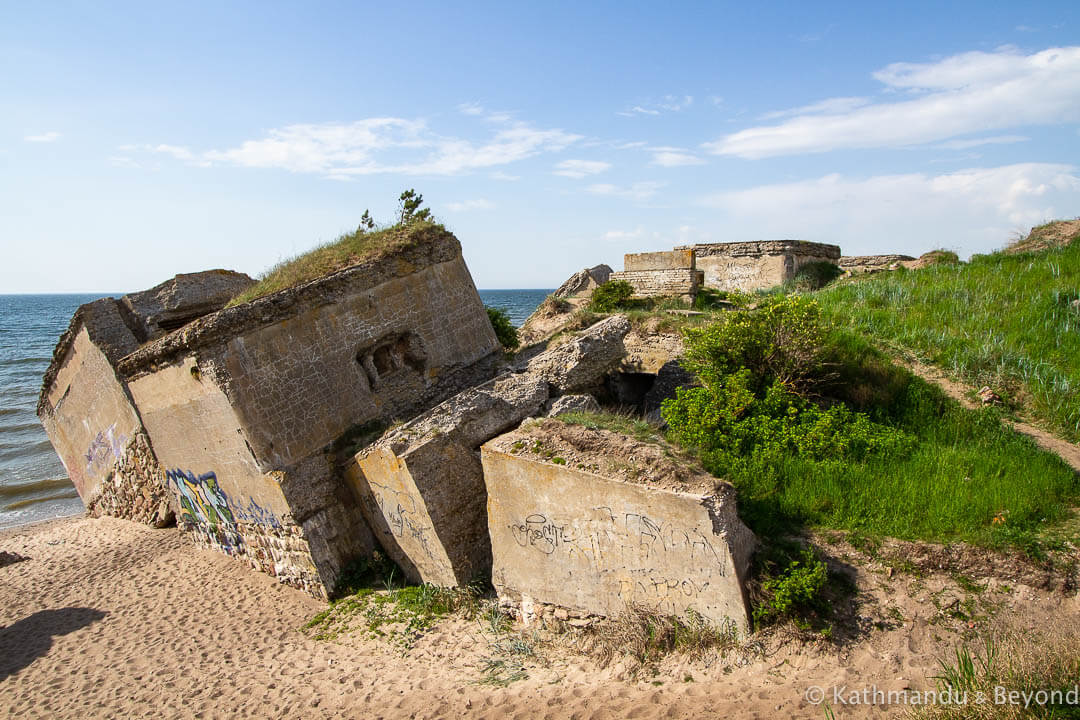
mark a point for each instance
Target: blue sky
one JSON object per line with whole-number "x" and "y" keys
{"x": 139, "y": 140}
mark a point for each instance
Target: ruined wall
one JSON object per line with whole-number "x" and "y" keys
{"x": 573, "y": 538}
{"x": 666, "y": 260}
{"x": 873, "y": 263}
{"x": 666, "y": 283}
{"x": 92, "y": 424}
{"x": 758, "y": 265}
{"x": 244, "y": 405}
{"x": 667, "y": 274}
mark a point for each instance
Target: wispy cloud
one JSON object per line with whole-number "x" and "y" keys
{"x": 973, "y": 210}
{"x": 182, "y": 154}
{"x": 467, "y": 205}
{"x": 669, "y": 103}
{"x": 581, "y": 168}
{"x": 830, "y": 106}
{"x": 674, "y": 157}
{"x": 962, "y": 94}
{"x": 976, "y": 142}
{"x": 637, "y": 191}
{"x": 380, "y": 145}
{"x": 47, "y": 137}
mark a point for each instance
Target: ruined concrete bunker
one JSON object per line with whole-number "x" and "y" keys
{"x": 245, "y": 407}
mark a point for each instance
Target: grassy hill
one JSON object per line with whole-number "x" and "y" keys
{"x": 350, "y": 249}
{"x": 1009, "y": 320}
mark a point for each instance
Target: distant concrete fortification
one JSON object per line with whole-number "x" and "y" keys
{"x": 242, "y": 407}
{"x": 721, "y": 266}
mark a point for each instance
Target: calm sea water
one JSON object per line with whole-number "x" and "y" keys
{"x": 33, "y": 483}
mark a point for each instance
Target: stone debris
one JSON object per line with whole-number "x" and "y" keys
{"x": 572, "y": 404}
{"x": 582, "y": 283}
{"x": 422, "y": 485}
{"x": 581, "y": 362}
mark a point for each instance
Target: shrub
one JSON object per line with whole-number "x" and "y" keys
{"x": 779, "y": 342}
{"x": 504, "y": 329}
{"x": 611, "y": 296}
{"x": 815, "y": 275}
{"x": 795, "y": 590}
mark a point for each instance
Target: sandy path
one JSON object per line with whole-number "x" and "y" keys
{"x": 107, "y": 618}
{"x": 1067, "y": 451}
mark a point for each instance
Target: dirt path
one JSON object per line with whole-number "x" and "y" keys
{"x": 1067, "y": 451}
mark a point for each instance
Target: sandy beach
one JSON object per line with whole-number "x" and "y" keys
{"x": 108, "y": 618}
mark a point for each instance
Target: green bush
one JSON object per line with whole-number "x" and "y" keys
{"x": 795, "y": 590}
{"x": 838, "y": 436}
{"x": 504, "y": 329}
{"x": 779, "y": 342}
{"x": 815, "y": 275}
{"x": 611, "y": 296}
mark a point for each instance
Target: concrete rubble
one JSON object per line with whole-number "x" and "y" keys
{"x": 421, "y": 484}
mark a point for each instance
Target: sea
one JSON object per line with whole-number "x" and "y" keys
{"x": 33, "y": 483}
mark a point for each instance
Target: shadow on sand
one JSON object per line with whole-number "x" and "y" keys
{"x": 26, "y": 640}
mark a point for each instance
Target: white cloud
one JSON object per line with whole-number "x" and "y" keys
{"x": 830, "y": 106}
{"x": 962, "y": 94}
{"x": 669, "y": 103}
{"x": 471, "y": 109}
{"x": 976, "y": 142}
{"x": 180, "y": 153}
{"x": 971, "y": 210}
{"x": 581, "y": 168}
{"x": 621, "y": 235}
{"x": 122, "y": 161}
{"x": 43, "y": 137}
{"x": 379, "y": 145}
{"x": 466, "y": 205}
{"x": 504, "y": 177}
{"x": 674, "y": 157}
{"x": 637, "y": 191}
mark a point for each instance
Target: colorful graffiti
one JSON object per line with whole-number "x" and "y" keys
{"x": 106, "y": 447}
{"x": 204, "y": 506}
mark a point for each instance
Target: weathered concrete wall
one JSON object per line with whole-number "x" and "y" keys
{"x": 89, "y": 417}
{"x": 86, "y": 407}
{"x": 422, "y": 485}
{"x": 682, "y": 259}
{"x": 665, "y": 283}
{"x": 758, "y": 265}
{"x": 571, "y": 535}
{"x": 873, "y": 263}
{"x": 245, "y": 404}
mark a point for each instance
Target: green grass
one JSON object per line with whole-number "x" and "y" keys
{"x": 1003, "y": 320}
{"x": 347, "y": 250}
{"x": 965, "y": 470}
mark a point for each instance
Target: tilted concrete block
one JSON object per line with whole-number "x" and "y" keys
{"x": 422, "y": 487}
{"x": 574, "y": 524}
{"x": 581, "y": 362}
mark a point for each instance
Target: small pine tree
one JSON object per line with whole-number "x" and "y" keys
{"x": 409, "y": 208}
{"x": 366, "y": 222}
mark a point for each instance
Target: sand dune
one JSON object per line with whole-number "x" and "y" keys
{"x": 106, "y": 618}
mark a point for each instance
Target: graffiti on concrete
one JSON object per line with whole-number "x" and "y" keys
{"x": 633, "y": 552}
{"x": 204, "y": 506}
{"x": 403, "y": 518}
{"x": 106, "y": 448}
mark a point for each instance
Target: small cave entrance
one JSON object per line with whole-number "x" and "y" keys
{"x": 629, "y": 389}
